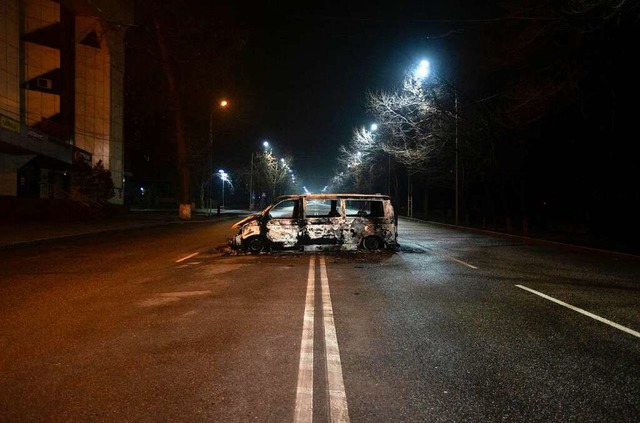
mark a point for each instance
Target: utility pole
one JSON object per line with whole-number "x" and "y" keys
{"x": 388, "y": 174}
{"x": 223, "y": 193}
{"x": 251, "y": 186}
{"x": 210, "y": 176}
{"x": 409, "y": 196}
{"x": 223, "y": 104}
{"x": 456, "y": 101}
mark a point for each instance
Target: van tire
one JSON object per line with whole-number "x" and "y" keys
{"x": 256, "y": 244}
{"x": 372, "y": 243}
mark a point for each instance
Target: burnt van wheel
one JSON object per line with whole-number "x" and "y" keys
{"x": 255, "y": 244}
{"x": 372, "y": 243}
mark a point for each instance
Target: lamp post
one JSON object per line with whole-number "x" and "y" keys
{"x": 223, "y": 104}
{"x": 455, "y": 93}
{"x": 251, "y": 185}
{"x": 224, "y": 176}
{"x": 422, "y": 72}
{"x": 265, "y": 144}
{"x": 374, "y": 128}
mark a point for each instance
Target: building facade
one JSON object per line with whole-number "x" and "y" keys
{"x": 61, "y": 93}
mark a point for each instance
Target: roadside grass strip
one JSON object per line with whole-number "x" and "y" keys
{"x": 581, "y": 311}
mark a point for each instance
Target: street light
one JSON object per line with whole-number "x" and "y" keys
{"x": 423, "y": 69}
{"x": 422, "y": 72}
{"x": 374, "y": 128}
{"x": 224, "y": 176}
{"x": 223, "y": 105}
{"x": 265, "y": 144}
{"x": 251, "y": 185}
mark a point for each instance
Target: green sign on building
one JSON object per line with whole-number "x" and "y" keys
{"x": 10, "y": 124}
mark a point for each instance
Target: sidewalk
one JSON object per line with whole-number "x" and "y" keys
{"x": 20, "y": 233}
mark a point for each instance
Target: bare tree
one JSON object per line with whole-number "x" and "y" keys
{"x": 360, "y": 161}
{"x": 275, "y": 172}
{"x": 607, "y": 9}
{"x": 416, "y": 121}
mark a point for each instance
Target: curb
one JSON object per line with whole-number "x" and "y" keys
{"x": 573, "y": 247}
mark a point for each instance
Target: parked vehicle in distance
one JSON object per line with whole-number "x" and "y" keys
{"x": 320, "y": 222}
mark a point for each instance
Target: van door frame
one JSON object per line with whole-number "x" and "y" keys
{"x": 285, "y": 232}
{"x": 323, "y": 232}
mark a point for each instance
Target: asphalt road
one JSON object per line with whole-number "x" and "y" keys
{"x": 159, "y": 325}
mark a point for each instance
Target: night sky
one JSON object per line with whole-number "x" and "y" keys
{"x": 547, "y": 97}
{"x": 301, "y": 74}
{"x": 306, "y": 72}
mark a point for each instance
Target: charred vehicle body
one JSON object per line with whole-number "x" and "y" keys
{"x": 320, "y": 222}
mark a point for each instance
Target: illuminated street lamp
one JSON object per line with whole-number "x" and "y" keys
{"x": 423, "y": 69}
{"x": 223, "y": 105}
{"x": 374, "y": 128}
{"x": 265, "y": 144}
{"x": 224, "y": 176}
{"x": 422, "y": 72}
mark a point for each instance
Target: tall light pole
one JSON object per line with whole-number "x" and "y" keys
{"x": 224, "y": 176}
{"x": 374, "y": 128}
{"x": 266, "y": 146}
{"x": 251, "y": 185}
{"x": 422, "y": 72}
{"x": 223, "y": 104}
{"x": 455, "y": 93}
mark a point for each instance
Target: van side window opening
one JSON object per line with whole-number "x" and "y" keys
{"x": 364, "y": 208}
{"x": 285, "y": 210}
{"x": 322, "y": 208}
{"x": 376, "y": 209}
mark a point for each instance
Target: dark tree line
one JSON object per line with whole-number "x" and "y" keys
{"x": 540, "y": 130}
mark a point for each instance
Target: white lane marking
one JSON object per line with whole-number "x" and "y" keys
{"x": 304, "y": 392}
{"x": 339, "y": 411}
{"x": 460, "y": 261}
{"x": 471, "y": 266}
{"x": 579, "y": 310}
{"x": 187, "y": 257}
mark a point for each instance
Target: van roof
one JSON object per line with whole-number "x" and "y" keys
{"x": 336, "y": 196}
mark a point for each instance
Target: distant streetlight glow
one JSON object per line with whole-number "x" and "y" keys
{"x": 224, "y": 103}
{"x": 374, "y": 127}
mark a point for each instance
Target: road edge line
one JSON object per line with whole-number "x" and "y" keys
{"x": 581, "y": 311}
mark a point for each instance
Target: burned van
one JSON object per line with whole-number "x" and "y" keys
{"x": 320, "y": 222}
